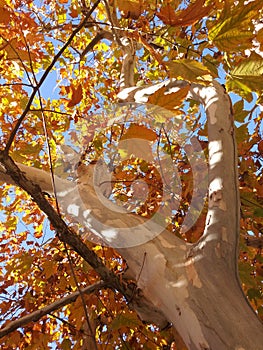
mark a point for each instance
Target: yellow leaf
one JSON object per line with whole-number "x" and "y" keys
{"x": 62, "y": 18}
{"x": 247, "y": 75}
{"x": 189, "y": 70}
{"x": 169, "y": 101}
{"x": 39, "y": 230}
{"x": 234, "y": 29}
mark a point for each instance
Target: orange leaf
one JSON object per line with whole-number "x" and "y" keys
{"x": 76, "y": 96}
{"x": 171, "y": 101}
{"x": 131, "y": 8}
{"x": 4, "y": 15}
{"x": 136, "y": 131}
{"x": 152, "y": 51}
{"x": 50, "y": 268}
{"x": 193, "y": 13}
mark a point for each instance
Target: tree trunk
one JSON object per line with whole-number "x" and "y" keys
{"x": 196, "y": 286}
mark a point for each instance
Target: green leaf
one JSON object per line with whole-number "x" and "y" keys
{"x": 249, "y": 199}
{"x": 245, "y": 272}
{"x": 258, "y": 212}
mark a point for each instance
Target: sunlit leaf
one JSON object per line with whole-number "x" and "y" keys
{"x": 131, "y": 8}
{"x": 76, "y": 96}
{"x": 234, "y": 31}
{"x": 247, "y": 75}
{"x": 192, "y": 71}
{"x": 140, "y": 132}
{"x": 193, "y": 13}
{"x": 169, "y": 101}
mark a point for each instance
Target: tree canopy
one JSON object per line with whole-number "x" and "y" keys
{"x": 70, "y": 71}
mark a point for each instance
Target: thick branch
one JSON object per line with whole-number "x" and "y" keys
{"x": 144, "y": 307}
{"x": 102, "y": 34}
{"x": 38, "y": 314}
{"x": 128, "y": 64}
{"x": 195, "y": 286}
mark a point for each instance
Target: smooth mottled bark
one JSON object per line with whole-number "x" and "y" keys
{"x": 194, "y": 286}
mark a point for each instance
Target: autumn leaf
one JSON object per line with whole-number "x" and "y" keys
{"x": 247, "y": 75}
{"x": 16, "y": 50}
{"x": 136, "y": 142}
{"x": 234, "y": 30}
{"x": 170, "y": 101}
{"x": 193, "y": 13}
{"x": 127, "y": 319}
{"x": 131, "y": 8}
{"x": 139, "y": 132}
{"x": 76, "y": 95}
{"x": 189, "y": 70}
{"x": 66, "y": 344}
{"x": 149, "y": 47}
{"x": 50, "y": 268}
{"x": 136, "y": 148}
{"x": 4, "y": 15}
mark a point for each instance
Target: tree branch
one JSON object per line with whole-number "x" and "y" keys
{"x": 38, "y": 314}
{"x": 103, "y": 34}
{"x": 127, "y": 46}
{"x": 44, "y": 76}
{"x": 136, "y": 300}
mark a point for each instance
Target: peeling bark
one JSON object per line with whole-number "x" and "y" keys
{"x": 195, "y": 286}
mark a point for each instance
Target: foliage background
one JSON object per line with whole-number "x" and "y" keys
{"x": 42, "y": 42}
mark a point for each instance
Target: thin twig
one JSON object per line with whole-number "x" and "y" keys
{"x": 44, "y": 76}
{"x": 49, "y": 110}
{"x": 38, "y": 314}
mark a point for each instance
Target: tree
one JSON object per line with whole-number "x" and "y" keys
{"x": 126, "y": 205}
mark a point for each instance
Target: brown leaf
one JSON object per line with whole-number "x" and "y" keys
{"x": 136, "y": 131}
{"x": 152, "y": 51}
{"x": 4, "y": 15}
{"x": 193, "y": 13}
{"x": 76, "y": 96}
{"x": 131, "y": 8}
{"x": 260, "y": 147}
